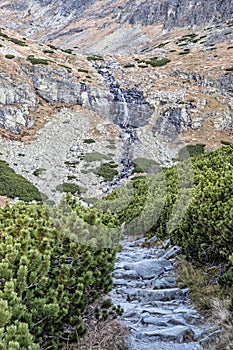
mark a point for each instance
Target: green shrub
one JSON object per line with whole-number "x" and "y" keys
{"x": 90, "y": 200}
{"x": 35, "y": 60}
{"x": 111, "y": 146}
{"x": 69, "y": 51}
{"x": 94, "y": 157}
{"x": 129, "y": 65}
{"x": 9, "y": 56}
{"x": 48, "y": 51}
{"x": 83, "y": 70}
{"x": 142, "y": 66}
{"x": 66, "y": 67}
{"x": 71, "y": 177}
{"x": 49, "y": 275}
{"x": 89, "y": 141}
{"x": 107, "y": 171}
{"x": 18, "y": 42}
{"x": 53, "y": 47}
{"x": 161, "y": 45}
{"x": 227, "y": 143}
{"x": 205, "y": 232}
{"x": 14, "y": 40}
{"x": 191, "y": 151}
{"x": 230, "y": 69}
{"x": 39, "y": 171}
{"x": 144, "y": 165}
{"x": 70, "y": 188}
{"x": 13, "y": 185}
{"x": 72, "y": 164}
{"x": 4, "y": 35}
{"x": 95, "y": 58}
{"x": 154, "y": 62}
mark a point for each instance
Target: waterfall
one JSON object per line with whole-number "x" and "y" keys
{"x": 121, "y": 116}
{"x": 125, "y": 109}
{"x": 128, "y": 137}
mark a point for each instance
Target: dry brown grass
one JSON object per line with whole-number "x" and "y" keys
{"x": 203, "y": 285}
{"x": 223, "y": 318}
{"x": 210, "y": 300}
{"x": 105, "y": 335}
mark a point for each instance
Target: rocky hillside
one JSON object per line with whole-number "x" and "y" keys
{"x": 165, "y": 86}
{"x": 117, "y": 25}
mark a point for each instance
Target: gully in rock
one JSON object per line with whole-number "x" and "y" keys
{"x": 129, "y": 110}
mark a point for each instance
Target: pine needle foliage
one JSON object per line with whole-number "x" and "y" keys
{"x": 52, "y": 265}
{"x": 191, "y": 203}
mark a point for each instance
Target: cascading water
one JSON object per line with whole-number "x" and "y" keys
{"x": 129, "y": 110}
{"x": 125, "y": 109}
{"x": 128, "y": 137}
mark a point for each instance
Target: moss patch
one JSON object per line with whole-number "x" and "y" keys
{"x": 94, "y": 157}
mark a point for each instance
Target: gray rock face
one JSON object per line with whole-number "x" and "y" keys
{"x": 170, "y": 13}
{"x": 16, "y": 98}
{"x": 178, "y": 13}
{"x": 55, "y": 87}
{"x": 172, "y": 123}
{"x": 158, "y": 314}
{"x": 20, "y": 95}
{"x": 14, "y": 119}
{"x": 226, "y": 84}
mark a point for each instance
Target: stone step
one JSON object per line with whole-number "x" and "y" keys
{"x": 156, "y": 283}
{"x": 137, "y": 344}
{"x": 146, "y": 295}
{"x": 178, "y": 333}
{"x": 158, "y": 314}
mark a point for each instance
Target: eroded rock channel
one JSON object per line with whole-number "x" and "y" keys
{"x": 157, "y": 312}
{"x": 129, "y": 110}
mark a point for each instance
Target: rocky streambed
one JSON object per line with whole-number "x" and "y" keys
{"x": 158, "y": 314}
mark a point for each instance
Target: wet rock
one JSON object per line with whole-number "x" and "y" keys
{"x": 172, "y": 123}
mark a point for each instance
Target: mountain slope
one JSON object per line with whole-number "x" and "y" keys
{"x": 73, "y": 22}
{"x": 114, "y": 82}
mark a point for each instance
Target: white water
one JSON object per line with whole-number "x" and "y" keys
{"x": 125, "y": 109}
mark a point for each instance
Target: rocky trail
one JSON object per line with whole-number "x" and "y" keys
{"x": 157, "y": 312}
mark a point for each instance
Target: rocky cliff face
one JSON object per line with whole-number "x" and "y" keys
{"x": 176, "y": 13}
